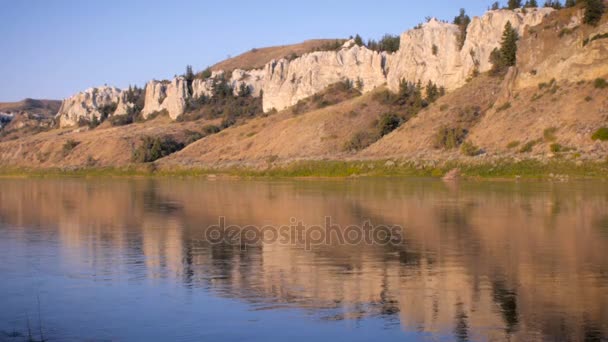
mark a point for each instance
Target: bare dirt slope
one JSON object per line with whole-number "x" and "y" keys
{"x": 284, "y": 136}
{"x": 463, "y": 107}
{"x": 102, "y": 147}
{"x": 257, "y": 58}
{"x": 44, "y": 107}
{"x": 560, "y": 113}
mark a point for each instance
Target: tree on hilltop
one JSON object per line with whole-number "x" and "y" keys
{"x": 594, "y": 9}
{"x": 462, "y": 21}
{"x": 513, "y": 4}
{"x": 506, "y": 56}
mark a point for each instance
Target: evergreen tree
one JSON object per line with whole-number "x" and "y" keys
{"x": 432, "y": 92}
{"x": 513, "y": 4}
{"x": 508, "y": 46}
{"x": 189, "y": 75}
{"x": 570, "y": 3}
{"x": 358, "y": 40}
{"x": 506, "y": 56}
{"x": 495, "y": 6}
{"x": 553, "y": 4}
{"x": 463, "y": 21}
{"x": 594, "y": 9}
{"x": 531, "y": 4}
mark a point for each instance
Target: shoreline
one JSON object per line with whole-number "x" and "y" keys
{"x": 504, "y": 169}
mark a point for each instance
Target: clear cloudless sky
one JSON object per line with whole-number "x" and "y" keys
{"x": 53, "y": 49}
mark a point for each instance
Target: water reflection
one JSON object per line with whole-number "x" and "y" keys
{"x": 479, "y": 261}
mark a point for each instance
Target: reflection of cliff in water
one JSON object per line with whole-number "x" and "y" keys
{"x": 479, "y": 260}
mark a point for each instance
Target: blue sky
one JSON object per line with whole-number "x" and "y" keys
{"x": 53, "y": 49}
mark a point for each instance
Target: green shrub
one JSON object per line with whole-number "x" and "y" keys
{"x": 513, "y": 144}
{"x": 153, "y": 148}
{"x": 601, "y": 134}
{"x": 388, "y": 123}
{"x": 121, "y": 120}
{"x": 557, "y": 148}
{"x": 69, "y": 146}
{"x": 549, "y": 134}
{"x": 450, "y": 137}
{"x": 505, "y": 106}
{"x": 596, "y": 37}
{"x": 192, "y": 136}
{"x": 468, "y": 149}
{"x": 600, "y": 83}
{"x": 360, "y": 140}
{"x": 588, "y": 98}
{"x": 210, "y": 129}
{"x": 528, "y": 146}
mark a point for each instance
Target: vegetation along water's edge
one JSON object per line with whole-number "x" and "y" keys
{"x": 505, "y": 169}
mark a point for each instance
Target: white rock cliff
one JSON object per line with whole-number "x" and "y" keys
{"x": 429, "y": 53}
{"x": 87, "y": 104}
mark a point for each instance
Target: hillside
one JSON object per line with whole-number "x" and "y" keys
{"x": 42, "y": 107}
{"x": 26, "y": 117}
{"x": 342, "y": 105}
{"x": 258, "y": 57}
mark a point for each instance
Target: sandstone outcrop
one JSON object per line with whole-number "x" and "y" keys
{"x": 87, "y": 105}
{"x": 286, "y": 82}
{"x": 567, "y": 52}
{"x": 252, "y": 79}
{"x": 432, "y": 52}
{"x": 170, "y": 96}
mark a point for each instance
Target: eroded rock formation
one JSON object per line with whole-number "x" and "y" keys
{"x": 287, "y": 82}
{"x": 431, "y": 52}
{"x": 87, "y": 105}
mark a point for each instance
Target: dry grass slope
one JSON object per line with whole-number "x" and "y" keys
{"x": 257, "y": 58}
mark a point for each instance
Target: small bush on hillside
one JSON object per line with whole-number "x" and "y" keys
{"x": 600, "y": 83}
{"x": 121, "y": 120}
{"x": 388, "y": 123}
{"x": 158, "y": 113}
{"x": 513, "y": 144}
{"x": 557, "y": 148}
{"x": 601, "y": 134}
{"x": 505, "y": 106}
{"x": 469, "y": 149}
{"x": 153, "y": 148}
{"x": 69, "y": 146}
{"x": 549, "y": 134}
{"x": 210, "y": 129}
{"x": 596, "y": 37}
{"x": 588, "y": 99}
{"x": 360, "y": 141}
{"x": 450, "y": 137}
{"x": 528, "y": 146}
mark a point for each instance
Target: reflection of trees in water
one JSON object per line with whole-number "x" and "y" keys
{"x": 237, "y": 273}
{"x": 461, "y": 325}
{"x": 506, "y": 300}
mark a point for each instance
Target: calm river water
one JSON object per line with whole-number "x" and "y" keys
{"x": 132, "y": 260}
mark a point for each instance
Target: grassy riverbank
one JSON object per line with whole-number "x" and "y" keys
{"x": 327, "y": 168}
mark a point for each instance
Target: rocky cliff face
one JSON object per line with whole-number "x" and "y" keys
{"x": 287, "y": 82}
{"x": 447, "y": 64}
{"x": 161, "y": 95}
{"x": 87, "y": 105}
{"x": 563, "y": 50}
{"x": 429, "y": 53}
